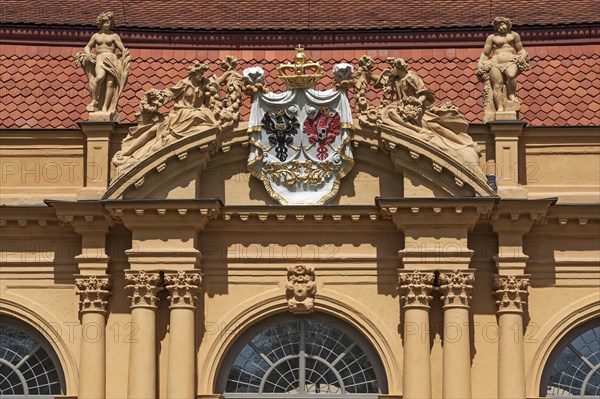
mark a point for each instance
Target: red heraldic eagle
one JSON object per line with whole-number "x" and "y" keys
{"x": 322, "y": 129}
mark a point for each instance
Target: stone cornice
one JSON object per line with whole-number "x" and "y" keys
{"x": 161, "y": 213}
{"x": 265, "y": 39}
{"x": 432, "y": 212}
{"x": 517, "y": 216}
{"x": 86, "y": 217}
{"x": 27, "y": 217}
{"x": 301, "y": 214}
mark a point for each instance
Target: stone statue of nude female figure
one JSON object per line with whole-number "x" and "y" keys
{"x": 107, "y": 73}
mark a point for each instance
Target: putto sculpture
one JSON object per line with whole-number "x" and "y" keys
{"x": 407, "y": 106}
{"x": 499, "y": 74}
{"x": 106, "y": 72}
{"x": 197, "y": 107}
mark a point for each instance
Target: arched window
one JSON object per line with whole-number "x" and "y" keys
{"x": 301, "y": 355}
{"x": 573, "y": 369}
{"x": 29, "y": 367}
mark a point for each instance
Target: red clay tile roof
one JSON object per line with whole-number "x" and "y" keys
{"x": 300, "y": 14}
{"x": 42, "y": 87}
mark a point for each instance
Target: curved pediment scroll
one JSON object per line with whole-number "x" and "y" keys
{"x": 420, "y": 138}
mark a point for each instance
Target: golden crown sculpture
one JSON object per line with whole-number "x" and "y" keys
{"x": 300, "y": 74}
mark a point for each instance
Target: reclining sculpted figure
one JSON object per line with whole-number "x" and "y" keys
{"x": 197, "y": 107}
{"x": 406, "y": 104}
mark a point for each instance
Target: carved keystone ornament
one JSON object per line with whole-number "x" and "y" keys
{"x": 301, "y": 289}
{"x": 300, "y": 139}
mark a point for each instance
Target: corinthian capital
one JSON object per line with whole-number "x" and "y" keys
{"x": 183, "y": 287}
{"x": 93, "y": 293}
{"x": 511, "y": 292}
{"x": 415, "y": 288}
{"x": 456, "y": 288}
{"x": 144, "y": 288}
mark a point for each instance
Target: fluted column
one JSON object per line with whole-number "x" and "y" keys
{"x": 511, "y": 292}
{"x": 456, "y": 288}
{"x": 144, "y": 287}
{"x": 415, "y": 290}
{"x": 93, "y": 293}
{"x": 183, "y": 287}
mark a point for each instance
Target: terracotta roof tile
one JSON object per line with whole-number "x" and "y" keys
{"x": 49, "y": 91}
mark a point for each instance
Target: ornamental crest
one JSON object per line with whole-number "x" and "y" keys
{"x": 300, "y": 139}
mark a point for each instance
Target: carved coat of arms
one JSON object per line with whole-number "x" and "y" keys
{"x": 300, "y": 139}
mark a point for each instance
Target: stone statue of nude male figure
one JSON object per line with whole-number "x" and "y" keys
{"x": 508, "y": 60}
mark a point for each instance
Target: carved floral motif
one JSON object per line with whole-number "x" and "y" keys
{"x": 456, "y": 288}
{"x": 144, "y": 288}
{"x": 183, "y": 288}
{"x": 511, "y": 293}
{"x": 301, "y": 289}
{"x": 415, "y": 288}
{"x": 93, "y": 293}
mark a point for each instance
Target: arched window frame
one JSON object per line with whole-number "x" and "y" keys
{"x": 43, "y": 343}
{"x": 339, "y": 324}
{"x": 564, "y": 343}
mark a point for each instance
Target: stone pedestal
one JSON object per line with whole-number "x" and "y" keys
{"x": 506, "y": 136}
{"x": 97, "y": 161}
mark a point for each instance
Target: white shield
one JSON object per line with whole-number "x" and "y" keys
{"x": 300, "y": 144}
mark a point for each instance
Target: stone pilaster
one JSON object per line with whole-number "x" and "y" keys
{"x": 93, "y": 294}
{"x": 144, "y": 287}
{"x": 415, "y": 294}
{"x": 456, "y": 288}
{"x": 511, "y": 294}
{"x": 183, "y": 288}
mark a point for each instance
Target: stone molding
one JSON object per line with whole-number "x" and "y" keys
{"x": 145, "y": 286}
{"x": 300, "y": 289}
{"x": 456, "y": 288}
{"x": 93, "y": 293}
{"x": 183, "y": 287}
{"x": 511, "y": 293}
{"x": 415, "y": 288}
{"x": 426, "y": 38}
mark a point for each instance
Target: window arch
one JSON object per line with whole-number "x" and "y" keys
{"x": 29, "y": 367}
{"x": 573, "y": 369}
{"x": 308, "y": 354}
